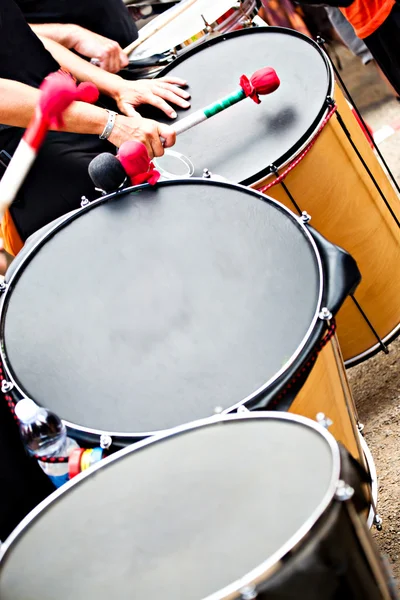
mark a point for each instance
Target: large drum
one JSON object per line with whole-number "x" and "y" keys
{"x": 261, "y": 506}
{"x": 155, "y": 307}
{"x": 254, "y": 144}
{"x": 188, "y": 23}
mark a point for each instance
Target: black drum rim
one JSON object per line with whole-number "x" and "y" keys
{"x": 280, "y": 162}
{"x": 130, "y": 437}
{"x": 259, "y": 573}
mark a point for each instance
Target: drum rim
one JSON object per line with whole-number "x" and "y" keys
{"x": 284, "y": 160}
{"x": 41, "y": 241}
{"x": 258, "y": 574}
{"x": 217, "y": 27}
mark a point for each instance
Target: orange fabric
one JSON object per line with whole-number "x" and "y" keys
{"x": 367, "y": 15}
{"x": 10, "y": 235}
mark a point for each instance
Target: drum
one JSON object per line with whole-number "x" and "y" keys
{"x": 155, "y": 307}
{"x": 261, "y": 506}
{"x": 183, "y": 25}
{"x": 324, "y": 175}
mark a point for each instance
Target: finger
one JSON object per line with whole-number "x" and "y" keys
{"x": 168, "y": 134}
{"x": 167, "y": 94}
{"x": 176, "y": 80}
{"x": 3, "y": 264}
{"x": 114, "y": 60}
{"x": 128, "y": 110}
{"x": 123, "y": 59}
{"x": 105, "y": 62}
{"x": 173, "y": 88}
{"x": 156, "y": 143}
{"x": 158, "y": 102}
{"x": 147, "y": 141}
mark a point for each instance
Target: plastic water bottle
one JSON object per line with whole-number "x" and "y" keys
{"x": 44, "y": 434}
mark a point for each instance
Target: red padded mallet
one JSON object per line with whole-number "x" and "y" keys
{"x": 58, "y": 92}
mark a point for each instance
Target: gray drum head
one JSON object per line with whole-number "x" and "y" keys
{"x": 155, "y": 306}
{"x": 183, "y": 517}
{"x": 243, "y": 141}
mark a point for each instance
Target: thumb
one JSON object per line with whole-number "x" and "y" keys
{"x": 123, "y": 59}
{"x": 168, "y": 133}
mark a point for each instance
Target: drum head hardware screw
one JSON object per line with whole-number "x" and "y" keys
{"x": 105, "y": 441}
{"x": 208, "y": 26}
{"x": 243, "y": 409}
{"x": 207, "y": 174}
{"x": 305, "y": 217}
{"x": 218, "y": 410}
{"x": 360, "y": 426}
{"x": 323, "y": 420}
{"x": 248, "y": 593}
{"x": 84, "y": 201}
{"x": 325, "y": 314}
{"x": 6, "y": 386}
{"x": 343, "y": 491}
{"x": 3, "y": 287}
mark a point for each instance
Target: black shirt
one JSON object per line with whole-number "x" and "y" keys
{"x": 110, "y": 18}
{"x": 23, "y": 57}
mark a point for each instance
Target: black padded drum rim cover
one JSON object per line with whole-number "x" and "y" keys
{"x": 150, "y": 308}
{"x": 200, "y": 513}
{"x": 243, "y": 141}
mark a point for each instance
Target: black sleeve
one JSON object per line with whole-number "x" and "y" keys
{"x": 23, "y": 57}
{"x": 109, "y": 18}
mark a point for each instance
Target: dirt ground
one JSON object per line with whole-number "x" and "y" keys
{"x": 376, "y": 382}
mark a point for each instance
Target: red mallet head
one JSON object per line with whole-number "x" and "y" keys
{"x": 262, "y": 82}
{"x": 137, "y": 164}
{"x": 58, "y": 92}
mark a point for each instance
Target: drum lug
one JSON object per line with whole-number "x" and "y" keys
{"x": 305, "y": 217}
{"x": 207, "y": 174}
{"x": 330, "y": 101}
{"x": 378, "y": 522}
{"x": 105, "y": 441}
{"x": 360, "y": 426}
{"x": 248, "y": 593}
{"x": 6, "y": 386}
{"x": 84, "y": 201}
{"x": 323, "y": 420}
{"x": 343, "y": 491}
{"x": 325, "y": 314}
{"x": 3, "y": 287}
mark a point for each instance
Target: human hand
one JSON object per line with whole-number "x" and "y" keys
{"x": 108, "y": 54}
{"x": 5, "y": 258}
{"x": 157, "y": 92}
{"x": 147, "y": 131}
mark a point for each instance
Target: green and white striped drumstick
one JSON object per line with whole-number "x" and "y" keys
{"x": 262, "y": 82}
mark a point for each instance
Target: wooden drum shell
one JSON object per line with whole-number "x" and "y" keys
{"x": 327, "y": 391}
{"x": 331, "y": 184}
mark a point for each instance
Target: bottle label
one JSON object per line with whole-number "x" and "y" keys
{"x": 59, "y": 480}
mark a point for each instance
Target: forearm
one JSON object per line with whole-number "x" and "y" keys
{"x": 107, "y": 83}
{"x": 18, "y": 102}
{"x": 62, "y": 33}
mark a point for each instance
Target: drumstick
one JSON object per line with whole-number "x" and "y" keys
{"x": 58, "y": 92}
{"x": 262, "y": 82}
{"x": 180, "y": 9}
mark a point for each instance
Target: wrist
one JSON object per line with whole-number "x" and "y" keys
{"x": 116, "y": 88}
{"x": 71, "y": 35}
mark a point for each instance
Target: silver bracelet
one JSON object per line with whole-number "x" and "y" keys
{"x": 109, "y": 125}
